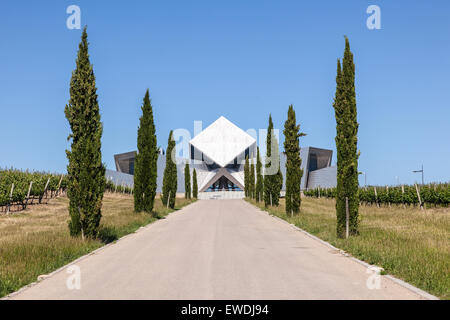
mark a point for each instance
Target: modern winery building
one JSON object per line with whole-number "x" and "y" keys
{"x": 218, "y": 154}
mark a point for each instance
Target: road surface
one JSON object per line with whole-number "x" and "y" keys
{"x": 216, "y": 250}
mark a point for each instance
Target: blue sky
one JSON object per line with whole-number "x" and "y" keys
{"x": 240, "y": 59}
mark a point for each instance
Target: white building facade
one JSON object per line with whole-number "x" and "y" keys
{"x": 218, "y": 155}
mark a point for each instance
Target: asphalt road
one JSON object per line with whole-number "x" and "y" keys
{"x": 216, "y": 250}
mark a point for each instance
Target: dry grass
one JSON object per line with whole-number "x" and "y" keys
{"x": 37, "y": 241}
{"x": 410, "y": 244}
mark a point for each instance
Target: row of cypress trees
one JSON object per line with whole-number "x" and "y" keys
{"x": 253, "y": 178}
{"x": 268, "y": 187}
{"x": 347, "y": 197}
{"x": 188, "y": 193}
{"x": 249, "y": 178}
{"x": 86, "y": 172}
{"x": 273, "y": 179}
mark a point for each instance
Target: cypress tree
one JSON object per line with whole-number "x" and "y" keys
{"x": 246, "y": 177}
{"x": 169, "y": 189}
{"x": 194, "y": 185}
{"x": 294, "y": 172}
{"x": 252, "y": 179}
{"x": 259, "y": 178}
{"x": 273, "y": 179}
{"x": 187, "y": 182}
{"x": 346, "y": 144}
{"x": 278, "y": 177}
{"x": 267, "y": 177}
{"x": 86, "y": 172}
{"x": 145, "y": 171}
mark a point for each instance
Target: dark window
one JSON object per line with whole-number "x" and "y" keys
{"x": 312, "y": 162}
{"x": 131, "y": 167}
{"x": 223, "y": 184}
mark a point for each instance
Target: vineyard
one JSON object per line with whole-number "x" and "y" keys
{"x": 115, "y": 188}
{"x": 18, "y": 189}
{"x": 431, "y": 194}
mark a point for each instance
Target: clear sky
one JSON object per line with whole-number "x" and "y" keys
{"x": 239, "y": 59}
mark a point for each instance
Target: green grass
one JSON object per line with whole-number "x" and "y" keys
{"x": 37, "y": 241}
{"x": 410, "y": 244}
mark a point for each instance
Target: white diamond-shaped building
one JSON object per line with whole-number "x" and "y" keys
{"x": 218, "y": 154}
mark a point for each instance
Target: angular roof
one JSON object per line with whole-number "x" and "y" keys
{"x": 222, "y": 141}
{"x": 222, "y": 172}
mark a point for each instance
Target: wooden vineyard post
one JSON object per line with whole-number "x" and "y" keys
{"x": 270, "y": 199}
{"x": 387, "y": 191}
{"x": 319, "y": 192}
{"x": 10, "y": 199}
{"x": 45, "y": 191}
{"x": 376, "y": 197}
{"x": 46, "y": 188}
{"x": 59, "y": 185}
{"x": 403, "y": 195}
{"x": 28, "y": 194}
{"x": 347, "y": 218}
{"x": 418, "y": 196}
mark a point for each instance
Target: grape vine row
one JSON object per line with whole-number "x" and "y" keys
{"x": 431, "y": 194}
{"x": 56, "y": 184}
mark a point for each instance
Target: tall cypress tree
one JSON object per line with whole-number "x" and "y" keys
{"x": 169, "y": 189}
{"x": 294, "y": 172}
{"x": 346, "y": 144}
{"x": 194, "y": 184}
{"x": 145, "y": 171}
{"x": 268, "y": 181}
{"x": 86, "y": 172}
{"x": 252, "y": 179}
{"x": 277, "y": 183}
{"x": 246, "y": 177}
{"x": 187, "y": 181}
{"x": 273, "y": 179}
{"x": 259, "y": 178}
